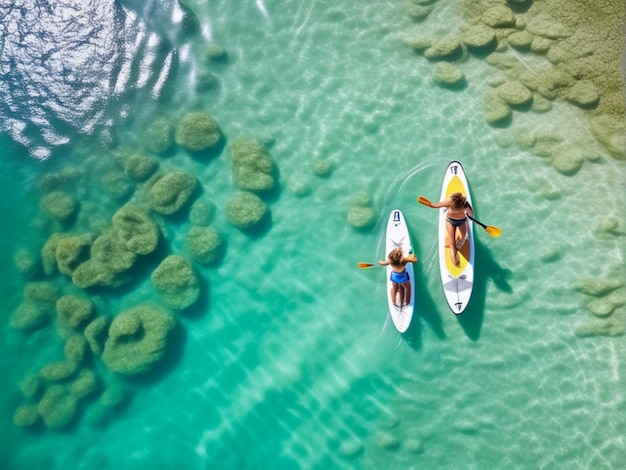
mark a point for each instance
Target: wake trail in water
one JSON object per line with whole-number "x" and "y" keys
{"x": 396, "y": 188}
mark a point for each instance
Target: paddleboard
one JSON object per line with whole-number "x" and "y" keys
{"x": 457, "y": 281}
{"x": 397, "y": 234}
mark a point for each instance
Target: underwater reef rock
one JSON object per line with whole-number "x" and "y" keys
{"x": 76, "y": 349}
{"x": 252, "y": 167}
{"x": 203, "y": 244}
{"x": 544, "y": 25}
{"x": 177, "y": 282}
{"x": 495, "y": 109}
{"x": 246, "y": 210}
{"x": 26, "y": 416}
{"x": 112, "y": 252}
{"x": 215, "y": 52}
{"x": 567, "y": 159}
{"x": 74, "y": 312}
{"x": 417, "y": 44}
{"x": 387, "y": 441}
{"x": 419, "y": 12}
{"x": 110, "y": 260}
{"x": 613, "y": 326}
{"x": 350, "y": 448}
{"x": 514, "y": 93}
{"x": 521, "y": 40}
{"x": 611, "y": 225}
{"x": 94, "y": 273}
{"x": 140, "y": 167}
{"x": 299, "y": 184}
{"x": 479, "y": 37}
{"x": 31, "y": 386}
{"x": 597, "y": 286}
{"x": 583, "y": 93}
{"x": 112, "y": 398}
{"x": 117, "y": 184}
{"x": 167, "y": 193}
{"x": 27, "y": 263}
{"x": 446, "y": 73}
{"x": 85, "y": 384}
{"x": 37, "y": 307}
{"x": 59, "y": 205}
{"x": 136, "y": 228}
{"x": 498, "y": 16}
{"x": 96, "y": 334}
{"x": 138, "y": 339}
{"x": 444, "y": 49}
{"x": 117, "y": 247}
{"x": 322, "y": 168}
{"x": 58, "y": 371}
{"x": 57, "y": 407}
{"x": 197, "y": 131}
{"x": 201, "y": 213}
{"x": 583, "y": 44}
{"x": 70, "y": 251}
{"x": 362, "y": 214}
{"x": 611, "y": 133}
{"x": 157, "y": 138}
{"x": 75, "y": 354}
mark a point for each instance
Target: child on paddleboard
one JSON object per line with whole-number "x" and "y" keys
{"x": 456, "y": 219}
{"x": 401, "y": 283}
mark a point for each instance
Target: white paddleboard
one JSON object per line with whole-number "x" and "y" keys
{"x": 458, "y": 282}
{"x": 397, "y": 234}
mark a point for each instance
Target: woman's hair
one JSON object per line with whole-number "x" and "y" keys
{"x": 396, "y": 257}
{"x": 458, "y": 201}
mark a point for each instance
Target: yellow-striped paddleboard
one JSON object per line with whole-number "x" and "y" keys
{"x": 457, "y": 281}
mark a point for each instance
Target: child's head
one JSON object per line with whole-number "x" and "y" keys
{"x": 396, "y": 256}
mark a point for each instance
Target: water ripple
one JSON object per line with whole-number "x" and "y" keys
{"x": 62, "y": 63}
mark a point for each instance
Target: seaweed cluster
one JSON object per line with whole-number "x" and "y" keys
{"x": 88, "y": 258}
{"x": 543, "y": 52}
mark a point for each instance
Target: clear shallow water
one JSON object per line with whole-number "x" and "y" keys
{"x": 291, "y": 360}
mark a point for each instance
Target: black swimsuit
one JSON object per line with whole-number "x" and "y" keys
{"x": 456, "y": 222}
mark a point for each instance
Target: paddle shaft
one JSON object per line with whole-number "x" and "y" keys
{"x": 477, "y": 221}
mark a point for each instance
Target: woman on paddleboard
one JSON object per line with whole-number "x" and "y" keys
{"x": 456, "y": 222}
{"x": 401, "y": 283}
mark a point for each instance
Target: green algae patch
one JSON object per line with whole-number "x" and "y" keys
{"x": 251, "y": 165}
{"x": 167, "y": 193}
{"x": 197, "y": 131}
{"x": 137, "y": 339}
{"x": 177, "y": 282}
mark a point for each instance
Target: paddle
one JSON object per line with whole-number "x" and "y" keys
{"x": 366, "y": 265}
{"x": 491, "y": 230}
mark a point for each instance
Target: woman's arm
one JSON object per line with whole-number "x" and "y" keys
{"x": 384, "y": 263}
{"x": 444, "y": 203}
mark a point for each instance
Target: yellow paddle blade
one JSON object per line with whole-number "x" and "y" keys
{"x": 365, "y": 265}
{"x": 493, "y": 231}
{"x": 424, "y": 200}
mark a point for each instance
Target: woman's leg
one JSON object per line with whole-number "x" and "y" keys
{"x": 407, "y": 292}
{"x": 463, "y": 231}
{"x": 451, "y": 230}
{"x": 394, "y": 293}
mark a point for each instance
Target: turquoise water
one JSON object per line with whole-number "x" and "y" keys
{"x": 289, "y": 359}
